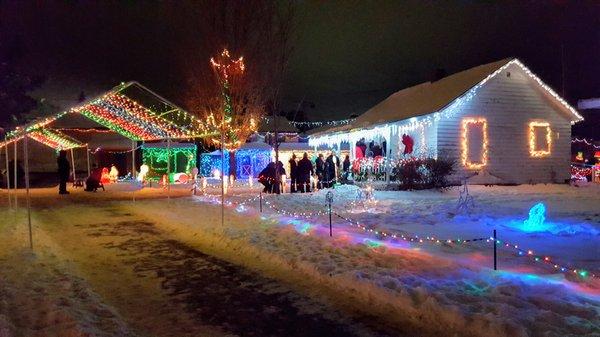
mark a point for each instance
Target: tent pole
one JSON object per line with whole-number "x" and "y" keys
{"x": 7, "y": 174}
{"x": 26, "y": 155}
{"x": 169, "y": 168}
{"x": 133, "y": 172}
{"x": 15, "y": 165}
{"x": 73, "y": 165}
{"x": 15, "y": 175}
{"x": 223, "y": 171}
{"x": 87, "y": 155}
{"x": 133, "y": 167}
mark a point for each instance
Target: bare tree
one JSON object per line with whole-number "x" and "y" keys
{"x": 259, "y": 30}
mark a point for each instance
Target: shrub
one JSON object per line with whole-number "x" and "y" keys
{"x": 409, "y": 173}
{"x": 422, "y": 173}
{"x": 438, "y": 171}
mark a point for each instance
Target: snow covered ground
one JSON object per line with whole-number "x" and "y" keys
{"x": 569, "y": 237}
{"x": 414, "y": 288}
{"x": 464, "y": 272}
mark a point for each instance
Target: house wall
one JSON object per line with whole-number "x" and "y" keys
{"x": 509, "y": 104}
{"x": 425, "y": 141}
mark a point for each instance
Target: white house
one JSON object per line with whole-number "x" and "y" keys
{"x": 499, "y": 121}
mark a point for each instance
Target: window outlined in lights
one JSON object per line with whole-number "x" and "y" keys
{"x": 539, "y": 147}
{"x": 468, "y": 123}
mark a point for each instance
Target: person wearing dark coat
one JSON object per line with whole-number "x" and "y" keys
{"x": 377, "y": 151}
{"x": 63, "y": 172}
{"x": 293, "y": 174}
{"x": 92, "y": 183}
{"x": 280, "y": 172}
{"x": 320, "y": 170}
{"x": 346, "y": 168}
{"x": 20, "y": 173}
{"x": 267, "y": 177}
{"x": 305, "y": 171}
{"x": 332, "y": 166}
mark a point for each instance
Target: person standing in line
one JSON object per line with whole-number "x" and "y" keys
{"x": 293, "y": 174}
{"x": 63, "y": 172}
{"x": 305, "y": 171}
{"x": 267, "y": 177}
{"x": 332, "y": 165}
{"x": 346, "y": 169}
{"x": 320, "y": 170}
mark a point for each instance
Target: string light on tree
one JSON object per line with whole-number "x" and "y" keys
{"x": 236, "y": 122}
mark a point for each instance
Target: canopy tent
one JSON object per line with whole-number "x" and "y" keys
{"x": 51, "y": 138}
{"x": 133, "y": 111}
{"x": 129, "y": 109}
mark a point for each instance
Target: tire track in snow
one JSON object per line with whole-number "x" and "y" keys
{"x": 217, "y": 292}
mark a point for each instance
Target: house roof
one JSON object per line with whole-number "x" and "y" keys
{"x": 430, "y": 97}
{"x": 426, "y": 97}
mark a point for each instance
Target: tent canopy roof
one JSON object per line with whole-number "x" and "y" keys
{"x": 133, "y": 111}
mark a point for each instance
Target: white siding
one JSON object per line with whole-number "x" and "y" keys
{"x": 425, "y": 140}
{"x": 509, "y": 104}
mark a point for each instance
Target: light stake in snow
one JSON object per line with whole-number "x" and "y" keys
{"x": 329, "y": 198}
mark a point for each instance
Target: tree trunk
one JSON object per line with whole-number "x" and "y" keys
{"x": 232, "y": 165}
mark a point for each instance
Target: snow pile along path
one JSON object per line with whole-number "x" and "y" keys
{"x": 414, "y": 291}
{"x": 40, "y": 298}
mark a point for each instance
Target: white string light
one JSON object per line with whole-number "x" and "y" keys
{"x": 586, "y": 142}
{"x": 427, "y": 120}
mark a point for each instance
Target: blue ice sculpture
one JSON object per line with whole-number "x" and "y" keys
{"x": 537, "y": 216}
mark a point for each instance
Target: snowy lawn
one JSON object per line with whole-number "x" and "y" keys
{"x": 417, "y": 288}
{"x": 421, "y": 287}
{"x": 569, "y": 237}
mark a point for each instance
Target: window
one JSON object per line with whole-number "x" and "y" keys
{"x": 540, "y": 139}
{"x": 474, "y": 142}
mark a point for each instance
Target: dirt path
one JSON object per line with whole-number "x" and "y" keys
{"x": 163, "y": 287}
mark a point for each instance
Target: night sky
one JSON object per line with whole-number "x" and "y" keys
{"x": 342, "y": 48}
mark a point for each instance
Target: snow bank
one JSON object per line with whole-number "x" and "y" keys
{"x": 40, "y": 298}
{"x": 416, "y": 291}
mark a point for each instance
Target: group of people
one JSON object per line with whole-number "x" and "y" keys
{"x": 326, "y": 172}
{"x": 268, "y": 177}
{"x": 300, "y": 173}
{"x": 97, "y": 178}
{"x": 371, "y": 149}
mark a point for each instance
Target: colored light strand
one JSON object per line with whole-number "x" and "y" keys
{"x": 55, "y": 139}
{"x": 125, "y": 116}
{"x": 580, "y": 173}
{"x": 544, "y": 259}
{"x": 153, "y": 157}
{"x": 92, "y": 130}
{"x": 430, "y": 238}
{"x": 99, "y": 149}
